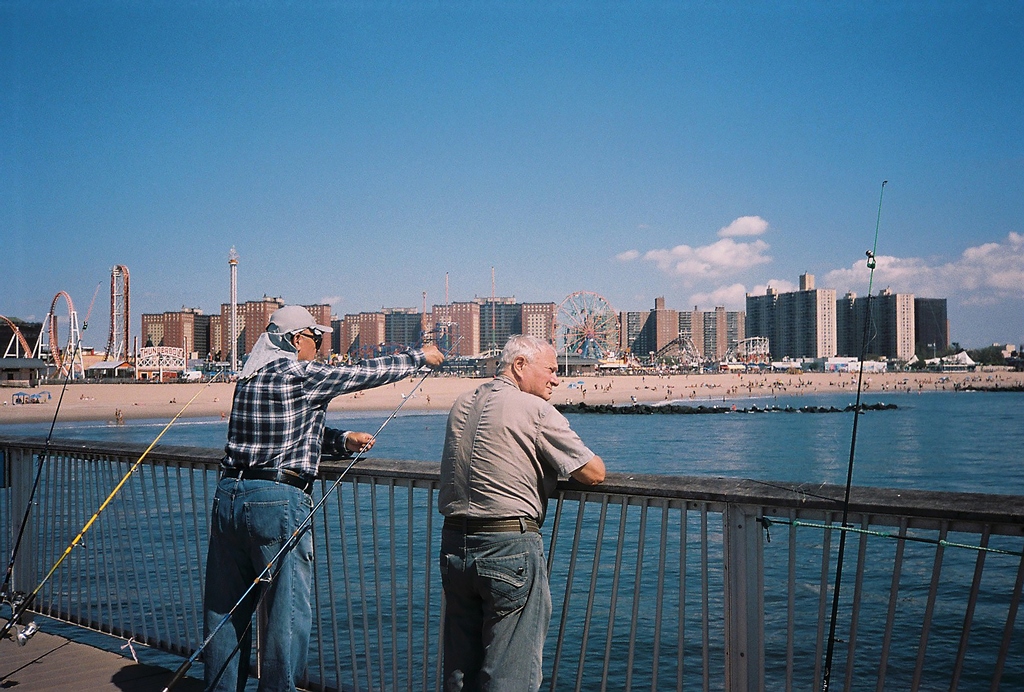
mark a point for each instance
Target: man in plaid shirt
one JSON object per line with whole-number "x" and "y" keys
{"x": 275, "y": 438}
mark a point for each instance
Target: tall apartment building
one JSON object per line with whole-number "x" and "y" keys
{"x": 152, "y": 333}
{"x": 363, "y": 335}
{"x": 800, "y": 324}
{"x": 761, "y": 315}
{"x": 458, "y": 327}
{"x": 187, "y": 329}
{"x": 500, "y": 318}
{"x": 468, "y": 324}
{"x": 633, "y": 332}
{"x": 735, "y": 328}
{"x": 691, "y": 326}
{"x": 713, "y": 332}
{"x": 217, "y": 331}
{"x": 931, "y": 326}
{"x": 663, "y": 325}
{"x": 890, "y": 325}
{"x": 403, "y": 327}
{"x": 253, "y": 318}
{"x": 538, "y": 319}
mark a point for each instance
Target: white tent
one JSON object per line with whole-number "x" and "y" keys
{"x": 957, "y": 361}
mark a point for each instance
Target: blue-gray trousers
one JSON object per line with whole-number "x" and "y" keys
{"x": 497, "y": 610}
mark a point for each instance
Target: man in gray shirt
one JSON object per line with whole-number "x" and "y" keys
{"x": 505, "y": 448}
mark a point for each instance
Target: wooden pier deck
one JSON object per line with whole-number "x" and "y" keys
{"x": 53, "y": 662}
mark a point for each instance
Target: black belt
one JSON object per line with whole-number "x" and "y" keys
{"x": 277, "y": 475}
{"x": 470, "y": 526}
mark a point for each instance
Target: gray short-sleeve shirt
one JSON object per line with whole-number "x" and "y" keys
{"x": 504, "y": 451}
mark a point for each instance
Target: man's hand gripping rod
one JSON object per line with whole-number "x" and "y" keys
{"x": 293, "y": 540}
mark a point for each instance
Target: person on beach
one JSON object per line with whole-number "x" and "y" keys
{"x": 276, "y": 435}
{"x": 504, "y": 450}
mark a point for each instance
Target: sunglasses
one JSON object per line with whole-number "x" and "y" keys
{"x": 317, "y": 338}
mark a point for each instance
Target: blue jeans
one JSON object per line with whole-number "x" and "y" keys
{"x": 250, "y": 522}
{"x": 497, "y": 610}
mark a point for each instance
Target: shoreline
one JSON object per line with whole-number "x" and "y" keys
{"x": 98, "y": 402}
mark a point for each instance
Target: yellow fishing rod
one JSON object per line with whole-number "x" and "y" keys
{"x": 15, "y": 599}
{"x": 19, "y": 609}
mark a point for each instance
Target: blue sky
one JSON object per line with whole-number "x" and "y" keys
{"x": 355, "y": 152}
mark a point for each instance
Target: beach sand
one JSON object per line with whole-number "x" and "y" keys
{"x": 164, "y": 401}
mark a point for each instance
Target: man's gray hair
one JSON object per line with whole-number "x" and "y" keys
{"x": 521, "y": 345}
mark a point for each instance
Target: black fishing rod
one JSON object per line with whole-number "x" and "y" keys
{"x": 24, "y": 603}
{"x": 293, "y": 540}
{"x": 830, "y": 647}
{"x": 17, "y": 598}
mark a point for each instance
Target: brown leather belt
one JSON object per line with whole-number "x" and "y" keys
{"x": 276, "y": 475}
{"x": 471, "y": 526}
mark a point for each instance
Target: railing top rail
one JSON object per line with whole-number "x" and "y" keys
{"x": 960, "y": 508}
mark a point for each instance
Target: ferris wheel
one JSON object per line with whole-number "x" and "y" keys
{"x": 587, "y": 325}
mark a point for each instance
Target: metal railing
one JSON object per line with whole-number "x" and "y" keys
{"x": 658, "y": 582}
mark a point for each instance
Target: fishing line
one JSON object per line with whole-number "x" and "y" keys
{"x": 830, "y": 648}
{"x": 767, "y": 522}
{"x": 14, "y": 599}
{"x": 292, "y": 541}
{"x": 26, "y": 602}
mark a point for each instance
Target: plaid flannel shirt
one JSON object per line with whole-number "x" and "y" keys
{"x": 277, "y": 417}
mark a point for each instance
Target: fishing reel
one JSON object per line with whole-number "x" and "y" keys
{"x": 871, "y": 259}
{"x": 19, "y": 633}
{"x": 25, "y": 633}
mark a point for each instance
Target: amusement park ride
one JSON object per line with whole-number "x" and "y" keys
{"x": 47, "y": 348}
{"x": 587, "y": 326}
{"x": 68, "y": 362}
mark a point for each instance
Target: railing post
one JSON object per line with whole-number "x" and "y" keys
{"x": 20, "y": 467}
{"x": 744, "y": 599}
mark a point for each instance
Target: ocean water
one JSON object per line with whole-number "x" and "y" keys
{"x": 963, "y": 442}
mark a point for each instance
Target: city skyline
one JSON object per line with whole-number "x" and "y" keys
{"x": 357, "y": 155}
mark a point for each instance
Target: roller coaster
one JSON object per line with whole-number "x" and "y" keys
{"x": 68, "y": 362}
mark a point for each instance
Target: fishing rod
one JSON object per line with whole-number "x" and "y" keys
{"x": 15, "y": 599}
{"x": 24, "y": 603}
{"x": 830, "y": 647}
{"x": 293, "y": 540}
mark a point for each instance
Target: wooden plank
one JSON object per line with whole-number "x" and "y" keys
{"x": 51, "y": 662}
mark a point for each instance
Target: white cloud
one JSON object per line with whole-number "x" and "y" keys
{"x": 778, "y": 285}
{"x": 982, "y": 275}
{"x": 732, "y": 297}
{"x": 331, "y": 300}
{"x": 724, "y": 257}
{"x": 744, "y": 226}
{"x": 721, "y": 258}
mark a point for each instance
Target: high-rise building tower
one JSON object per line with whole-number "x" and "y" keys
{"x": 931, "y": 326}
{"x": 800, "y": 324}
{"x": 890, "y": 327}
